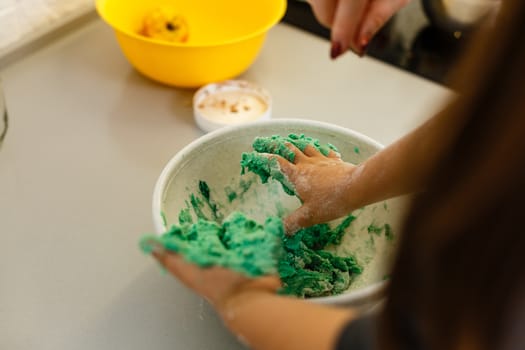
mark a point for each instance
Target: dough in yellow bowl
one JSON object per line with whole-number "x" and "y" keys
{"x": 165, "y": 24}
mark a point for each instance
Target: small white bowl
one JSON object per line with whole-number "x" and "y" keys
{"x": 230, "y": 102}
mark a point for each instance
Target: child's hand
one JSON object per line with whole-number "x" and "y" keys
{"x": 216, "y": 284}
{"x": 321, "y": 183}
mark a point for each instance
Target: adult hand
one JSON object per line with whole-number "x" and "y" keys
{"x": 216, "y": 284}
{"x": 354, "y": 22}
{"x": 322, "y": 183}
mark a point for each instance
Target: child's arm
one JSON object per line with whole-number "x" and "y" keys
{"x": 330, "y": 188}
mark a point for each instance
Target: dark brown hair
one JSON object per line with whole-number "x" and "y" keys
{"x": 459, "y": 279}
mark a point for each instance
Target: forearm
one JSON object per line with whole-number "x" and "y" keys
{"x": 268, "y": 321}
{"x": 404, "y": 166}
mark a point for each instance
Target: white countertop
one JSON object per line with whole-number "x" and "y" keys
{"x": 89, "y": 136}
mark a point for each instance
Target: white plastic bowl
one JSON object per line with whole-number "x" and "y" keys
{"x": 215, "y": 158}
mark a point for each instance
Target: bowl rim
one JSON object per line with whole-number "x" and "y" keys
{"x": 274, "y": 20}
{"x": 364, "y": 293}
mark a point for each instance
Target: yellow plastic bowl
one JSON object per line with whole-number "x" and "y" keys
{"x": 225, "y": 37}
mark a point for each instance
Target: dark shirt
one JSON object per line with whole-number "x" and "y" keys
{"x": 362, "y": 333}
{"x": 359, "y": 334}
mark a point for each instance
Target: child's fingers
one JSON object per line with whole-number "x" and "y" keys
{"x": 311, "y": 151}
{"x": 288, "y": 168}
{"x": 180, "y": 268}
{"x": 302, "y": 217}
{"x": 299, "y": 155}
{"x": 334, "y": 155}
{"x": 270, "y": 283}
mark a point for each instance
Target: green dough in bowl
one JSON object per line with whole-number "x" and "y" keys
{"x": 238, "y": 243}
{"x": 259, "y": 163}
{"x": 345, "y": 261}
{"x": 243, "y": 245}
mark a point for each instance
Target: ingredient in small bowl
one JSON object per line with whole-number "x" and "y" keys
{"x": 166, "y": 25}
{"x": 229, "y": 106}
{"x": 230, "y": 102}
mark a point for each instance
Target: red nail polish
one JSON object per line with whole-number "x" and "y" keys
{"x": 335, "y": 51}
{"x": 364, "y": 46}
{"x": 364, "y": 49}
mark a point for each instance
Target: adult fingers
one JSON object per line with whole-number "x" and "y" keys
{"x": 324, "y": 11}
{"x": 347, "y": 19}
{"x": 378, "y": 13}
